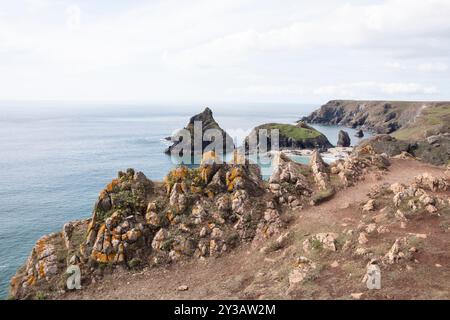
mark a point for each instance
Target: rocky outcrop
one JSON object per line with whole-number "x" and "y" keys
{"x": 320, "y": 170}
{"x": 300, "y": 136}
{"x": 193, "y": 214}
{"x": 359, "y": 134}
{"x": 354, "y": 167}
{"x": 207, "y": 122}
{"x": 437, "y": 152}
{"x": 343, "y": 139}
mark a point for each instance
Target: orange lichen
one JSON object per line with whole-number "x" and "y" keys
{"x": 111, "y": 186}
{"x": 41, "y": 271}
{"x": 31, "y": 280}
{"x": 102, "y": 229}
{"x": 101, "y": 257}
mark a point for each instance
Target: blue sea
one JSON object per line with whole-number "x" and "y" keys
{"x": 55, "y": 157}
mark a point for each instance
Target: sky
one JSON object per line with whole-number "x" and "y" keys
{"x": 210, "y": 51}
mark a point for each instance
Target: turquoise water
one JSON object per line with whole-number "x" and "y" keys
{"x": 55, "y": 158}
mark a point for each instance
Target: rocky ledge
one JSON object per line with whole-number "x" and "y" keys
{"x": 193, "y": 213}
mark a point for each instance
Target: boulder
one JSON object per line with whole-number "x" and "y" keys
{"x": 359, "y": 134}
{"x": 343, "y": 139}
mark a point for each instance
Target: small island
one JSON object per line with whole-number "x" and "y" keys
{"x": 299, "y": 136}
{"x": 207, "y": 122}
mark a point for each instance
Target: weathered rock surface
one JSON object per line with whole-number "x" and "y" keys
{"x": 194, "y": 213}
{"x": 343, "y": 139}
{"x": 378, "y": 116}
{"x": 437, "y": 154}
{"x": 207, "y": 122}
{"x": 359, "y": 134}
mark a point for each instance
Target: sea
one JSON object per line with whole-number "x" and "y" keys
{"x": 55, "y": 157}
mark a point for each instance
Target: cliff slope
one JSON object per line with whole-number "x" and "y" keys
{"x": 386, "y": 116}
{"x": 421, "y": 129}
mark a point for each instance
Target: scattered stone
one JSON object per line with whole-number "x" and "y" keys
{"x": 383, "y": 229}
{"x": 183, "y": 288}
{"x": 371, "y": 228}
{"x": 431, "y": 209}
{"x": 325, "y": 240}
{"x": 369, "y": 206}
{"x": 395, "y": 254}
{"x": 362, "y": 239}
{"x": 303, "y": 267}
{"x": 335, "y": 264}
{"x": 356, "y": 296}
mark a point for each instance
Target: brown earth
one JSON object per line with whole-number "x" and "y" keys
{"x": 249, "y": 273}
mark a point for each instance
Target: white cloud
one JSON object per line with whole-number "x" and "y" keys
{"x": 375, "y": 89}
{"x": 207, "y": 49}
{"x": 73, "y": 19}
{"x": 433, "y": 66}
{"x": 407, "y": 88}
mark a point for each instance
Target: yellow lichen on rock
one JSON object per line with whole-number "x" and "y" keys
{"x": 234, "y": 177}
{"x": 176, "y": 175}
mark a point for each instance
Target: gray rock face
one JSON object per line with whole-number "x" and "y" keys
{"x": 359, "y": 134}
{"x": 343, "y": 139}
{"x": 378, "y": 116}
{"x": 207, "y": 122}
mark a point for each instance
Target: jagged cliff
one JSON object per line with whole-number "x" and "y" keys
{"x": 381, "y": 116}
{"x": 419, "y": 128}
{"x": 207, "y": 122}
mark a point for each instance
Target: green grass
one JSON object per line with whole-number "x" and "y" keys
{"x": 293, "y": 132}
{"x": 431, "y": 118}
{"x": 437, "y": 115}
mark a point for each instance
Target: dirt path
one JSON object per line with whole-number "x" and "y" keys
{"x": 246, "y": 273}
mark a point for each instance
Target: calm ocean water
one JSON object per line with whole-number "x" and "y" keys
{"x": 55, "y": 159}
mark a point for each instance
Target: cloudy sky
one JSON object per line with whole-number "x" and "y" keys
{"x": 234, "y": 50}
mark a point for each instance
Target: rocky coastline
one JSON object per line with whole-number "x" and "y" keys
{"x": 421, "y": 129}
{"x": 210, "y": 211}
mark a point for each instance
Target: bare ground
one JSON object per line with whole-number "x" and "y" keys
{"x": 247, "y": 273}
